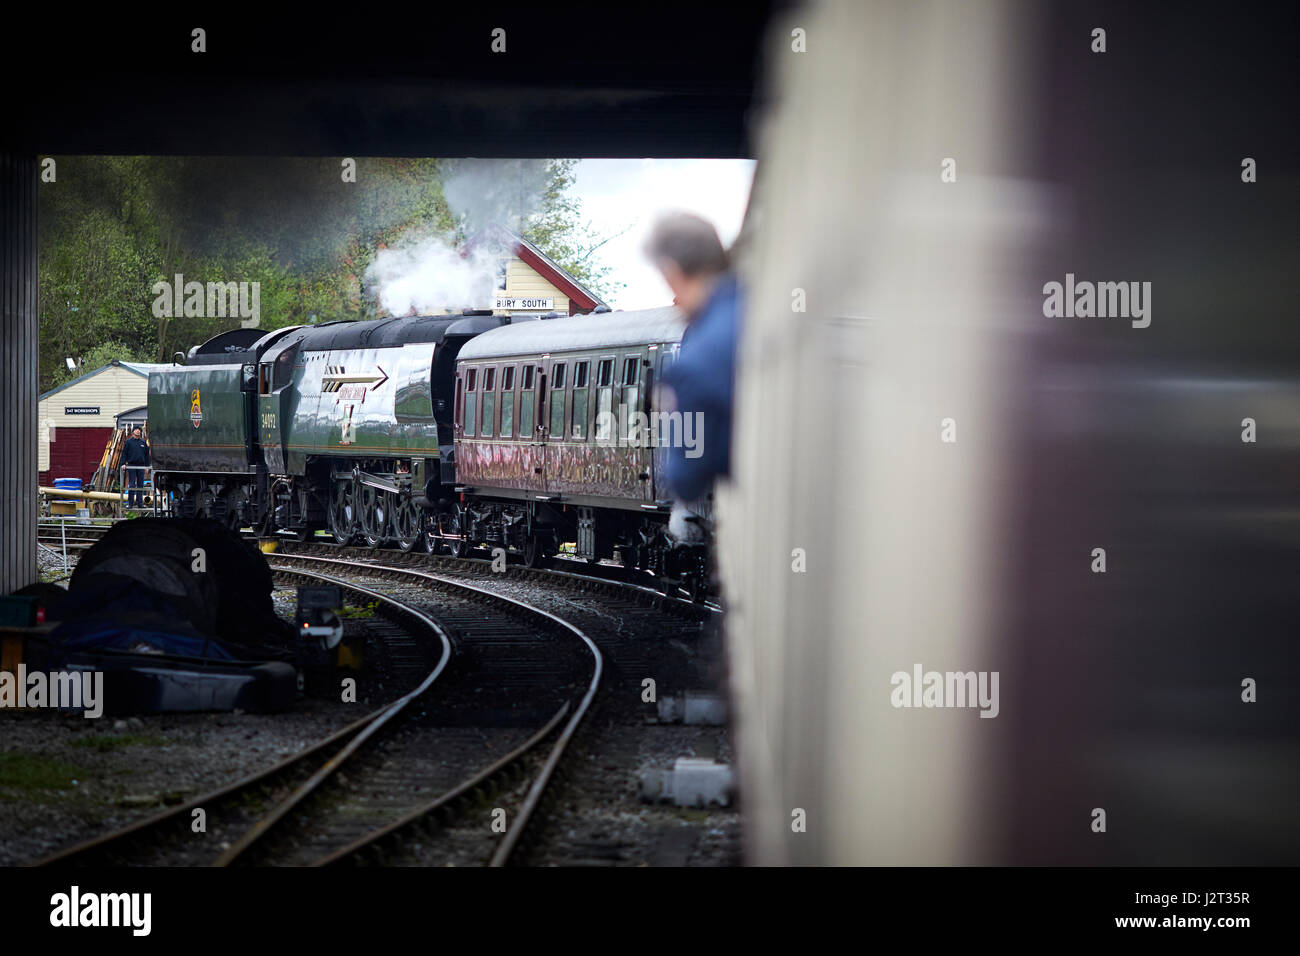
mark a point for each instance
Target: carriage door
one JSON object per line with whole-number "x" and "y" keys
{"x": 556, "y": 423}
{"x": 658, "y": 456}
{"x": 540, "y": 450}
{"x": 634, "y": 429}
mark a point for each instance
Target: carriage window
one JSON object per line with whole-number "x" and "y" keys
{"x": 605, "y": 373}
{"x": 471, "y": 379}
{"x": 580, "y": 375}
{"x": 527, "y": 398}
{"x": 470, "y": 408}
{"x": 489, "y": 403}
{"x": 557, "y": 412}
{"x": 579, "y": 424}
{"x": 631, "y": 366}
{"x": 604, "y": 411}
{"x": 557, "y": 375}
{"x": 627, "y": 409}
{"x": 507, "y": 402}
{"x": 489, "y": 412}
{"x": 526, "y": 413}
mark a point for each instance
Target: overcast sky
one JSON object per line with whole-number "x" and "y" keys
{"x": 616, "y": 193}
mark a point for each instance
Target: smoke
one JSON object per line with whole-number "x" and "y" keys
{"x": 430, "y": 276}
{"x": 500, "y": 192}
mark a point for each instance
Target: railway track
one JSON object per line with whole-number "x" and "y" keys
{"x": 395, "y": 778}
{"x": 500, "y": 723}
{"x": 557, "y": 569}
{"x": 612, "y": 580}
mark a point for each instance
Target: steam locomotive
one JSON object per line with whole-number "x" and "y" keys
{"x": 442, "y": 433}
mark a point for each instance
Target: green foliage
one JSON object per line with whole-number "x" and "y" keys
{"x": 558, "y": 230}
{"x": 19, "y": 771}
{"x": 362, "y": 611}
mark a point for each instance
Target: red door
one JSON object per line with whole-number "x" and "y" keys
{"x": 75, "y": 452}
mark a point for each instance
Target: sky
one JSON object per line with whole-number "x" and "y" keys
{"x": 616, "y": 193}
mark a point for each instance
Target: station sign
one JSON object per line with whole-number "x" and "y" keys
{"x": 81, "y": 409}
{"x": 515, "y": 302}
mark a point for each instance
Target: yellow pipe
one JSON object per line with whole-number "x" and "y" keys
{"x": 96, "y": 495}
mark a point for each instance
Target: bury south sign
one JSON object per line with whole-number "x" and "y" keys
{"x": 515, "y": 302}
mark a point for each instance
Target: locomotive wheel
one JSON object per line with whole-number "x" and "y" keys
{"x": 408, "y": 524}
{"x": 343, "y": 513}
{"x": 372, "y": 509}
{"x": 455, "y": 524}
{"x": 205, "y": 504}
{"x": 236, "y": 501}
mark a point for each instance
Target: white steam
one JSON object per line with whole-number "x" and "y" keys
{"x": 431, "y": 276}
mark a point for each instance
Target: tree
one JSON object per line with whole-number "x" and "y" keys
{"x": 558, "y": 230}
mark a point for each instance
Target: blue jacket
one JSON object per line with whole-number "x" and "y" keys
{"x": 136, "y": 452}
{"x": 703, "y": 378}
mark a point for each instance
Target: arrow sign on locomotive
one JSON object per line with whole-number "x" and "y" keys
{"x": 336, "y": 376}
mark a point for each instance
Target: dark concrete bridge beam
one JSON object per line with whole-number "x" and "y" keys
{"x": 18, "y": 357}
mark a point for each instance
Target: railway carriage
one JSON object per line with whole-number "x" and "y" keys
{"x": 555, "y": 439}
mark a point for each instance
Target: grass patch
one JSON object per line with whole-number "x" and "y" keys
{"x": 366, "y": 610}
{"x": 32, "y": 772}
{"x": 106, "y": 743}
{"x": 693, "y": 815}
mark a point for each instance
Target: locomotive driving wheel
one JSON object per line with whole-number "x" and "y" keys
{"x": 408, "y": 521}
{"x": 205, "y": 505}
{"x": 372, "y": 510}
{"x": 343, "y": 512}
{"x": 454, "y": 523}
{"x": 236, "y": 503}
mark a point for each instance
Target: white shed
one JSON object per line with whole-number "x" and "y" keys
{"x": 76, "y": 419}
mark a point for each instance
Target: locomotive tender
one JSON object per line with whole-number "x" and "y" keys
{"x": 439, "y": 432}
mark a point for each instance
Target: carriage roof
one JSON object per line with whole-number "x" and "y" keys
{"x": 578, "y": 332}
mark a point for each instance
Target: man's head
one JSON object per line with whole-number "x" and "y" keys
{"x": 135, "y": 432}
{"x": 688, "y": 252}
